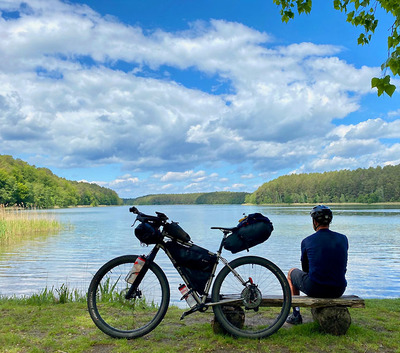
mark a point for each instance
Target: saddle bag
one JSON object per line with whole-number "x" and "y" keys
{"x": 251, "y": 231}
{"x": 195, "y": 262}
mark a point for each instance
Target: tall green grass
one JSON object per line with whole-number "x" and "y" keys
{"x": 61, "y": 295}
{"x": 17, "y": 223}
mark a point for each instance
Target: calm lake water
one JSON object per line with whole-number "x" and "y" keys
{"x": 96, "y": 235}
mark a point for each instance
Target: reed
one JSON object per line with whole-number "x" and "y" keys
{"x": 18, "y": 223}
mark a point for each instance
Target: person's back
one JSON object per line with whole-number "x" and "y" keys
{"x": 324, "y": 262}
{"x": 324, "y": 257}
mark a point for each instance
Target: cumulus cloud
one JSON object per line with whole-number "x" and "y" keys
{"x": 64, "y": 97}
{"x": 374, "y": 128}
{"x": 178, "y": 176}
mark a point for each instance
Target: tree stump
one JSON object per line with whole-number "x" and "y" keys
{"x": 335, "y": 320}
{"x": 234, "y": 314}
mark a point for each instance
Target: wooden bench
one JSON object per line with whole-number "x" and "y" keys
{"x": 332, "y": 314}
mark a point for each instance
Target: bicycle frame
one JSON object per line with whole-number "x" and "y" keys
{"x": 251, "y": 288}
{"x": 201, "y": 300}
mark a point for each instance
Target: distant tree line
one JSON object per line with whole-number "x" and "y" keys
{"x": 370, "y": 185}
{"x": 210, "y": 198}
{"x": 26, "y": 185}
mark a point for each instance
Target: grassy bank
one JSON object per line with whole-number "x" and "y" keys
{"x": 17, "y": 224}
{"x": 58, "y": 321}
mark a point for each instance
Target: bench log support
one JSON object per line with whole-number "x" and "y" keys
{"x": 332, "y": 314}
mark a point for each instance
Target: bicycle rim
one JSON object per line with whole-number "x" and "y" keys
{"x": 122, "y": 318}
{"x": 250, "y": 316}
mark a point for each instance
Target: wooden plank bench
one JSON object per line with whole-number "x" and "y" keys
{"x": 332, "y": 314}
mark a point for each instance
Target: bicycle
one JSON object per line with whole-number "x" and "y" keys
{"x": 129, "y": 295}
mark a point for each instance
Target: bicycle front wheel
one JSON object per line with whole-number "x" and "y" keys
{"x": 122, "y": 318}
{"x": 261, "y": 295}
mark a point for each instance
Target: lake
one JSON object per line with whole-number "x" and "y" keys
{"x": 96, "y": 235}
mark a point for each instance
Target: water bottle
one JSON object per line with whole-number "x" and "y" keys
{"x": 137, "y": 266}
{"x": 187, "y": 296}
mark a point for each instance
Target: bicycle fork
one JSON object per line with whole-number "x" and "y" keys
{"x": 133, "y": 291}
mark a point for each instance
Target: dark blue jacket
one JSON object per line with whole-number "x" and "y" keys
{"x": 324, "y": 257}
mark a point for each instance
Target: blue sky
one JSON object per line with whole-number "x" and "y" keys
{"x": 182, "y": 96}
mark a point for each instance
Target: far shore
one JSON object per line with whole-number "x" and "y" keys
{"x": 244, "y": 204}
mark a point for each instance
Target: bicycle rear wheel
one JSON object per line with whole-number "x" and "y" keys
{"x": 253, "y": 314}
{"x": 122, "y": 318}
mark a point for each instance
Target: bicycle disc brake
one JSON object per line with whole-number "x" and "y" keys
{"x": 136, "y": 294}
{"x": 252, "y": 297}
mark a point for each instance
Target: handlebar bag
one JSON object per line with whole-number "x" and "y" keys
{"x": 175, "y": 231}
{"x": 195, "y": 262}
{"x": 148, "y": 234}
{"x": 251, "y": 231}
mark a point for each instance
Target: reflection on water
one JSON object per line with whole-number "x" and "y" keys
{"x": 99, "y": 234}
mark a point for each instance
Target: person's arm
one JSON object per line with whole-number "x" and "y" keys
{"x": 304, "y": 258}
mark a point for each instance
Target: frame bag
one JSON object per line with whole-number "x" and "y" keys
{"x": 251, "y": 231}
{"x": 195, "y": 262}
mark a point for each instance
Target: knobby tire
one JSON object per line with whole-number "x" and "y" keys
{"x": 246, "y": 318}
{"x": 121, "y": 318}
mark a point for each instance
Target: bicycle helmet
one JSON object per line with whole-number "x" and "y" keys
{"x": 322, "y": 214}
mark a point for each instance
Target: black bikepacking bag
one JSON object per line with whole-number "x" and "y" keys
{"x": 251, "y": 231}
{"x": 148, "y": 234}
{"x": 174, "y": 231}
{"x": 195, "y": 262}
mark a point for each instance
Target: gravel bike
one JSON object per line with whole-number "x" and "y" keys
{"x": 129, "y": 295}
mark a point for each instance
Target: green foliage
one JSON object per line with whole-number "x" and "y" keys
{"x": 362, "y": 185}
{"x": 211, "y": 198}
{"x": 383, "y": 85}
{"x": 26, "y": 185}
{"x": 361, "y": 13}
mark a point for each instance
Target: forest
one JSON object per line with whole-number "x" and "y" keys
{"x": 209, "y": 198}
{"x": 370, "y": 185}
{"x": 25, "y": 185}
{"x": 28, "y": 186}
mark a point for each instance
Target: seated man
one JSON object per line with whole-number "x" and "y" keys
{"x": 323, "y": 260}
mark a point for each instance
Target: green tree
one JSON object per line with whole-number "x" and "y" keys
{"x": 363, "y": 14}
{"x": 21, "y": 183}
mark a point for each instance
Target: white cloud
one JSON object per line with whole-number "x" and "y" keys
{"x": 374, "y": 128}
{"x": 178, "y": 176}
{"x": 247, "y": 176}
{"x": 63, "y": 99}
{"x": 306, "y": 49}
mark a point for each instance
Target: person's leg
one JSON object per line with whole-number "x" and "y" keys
{"x": 295, "y": 318}
{"x": 294, "y": 290}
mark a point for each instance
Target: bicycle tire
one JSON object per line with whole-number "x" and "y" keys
{"x": 121, "y": 318}
{"x": 248, "y": 317}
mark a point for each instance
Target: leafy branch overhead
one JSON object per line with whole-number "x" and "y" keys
{"x": 361, "y": 13}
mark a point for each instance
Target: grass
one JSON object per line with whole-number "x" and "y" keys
{"x": 17, "y": 224}
{"x": 57, "y": 320}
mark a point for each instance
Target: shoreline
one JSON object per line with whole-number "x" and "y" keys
{"x": 327, "y": 203}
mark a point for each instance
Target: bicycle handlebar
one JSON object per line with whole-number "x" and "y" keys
{"x": 141, "y": 217}
{"x": 134, "y": 210}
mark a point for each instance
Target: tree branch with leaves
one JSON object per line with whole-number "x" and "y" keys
{"x": 361, "y": 13}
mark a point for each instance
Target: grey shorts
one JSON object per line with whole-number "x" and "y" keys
{"x": 302, "y": 281}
